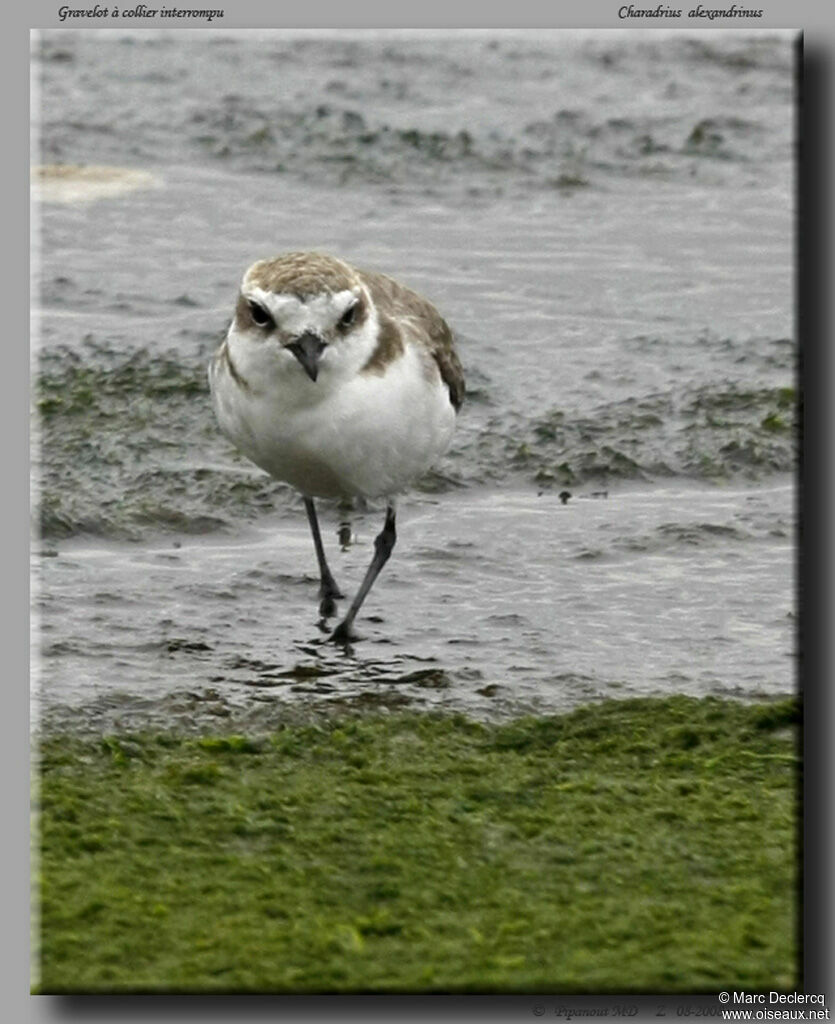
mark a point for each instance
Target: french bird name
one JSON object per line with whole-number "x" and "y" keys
{"x": 139, "y": 11}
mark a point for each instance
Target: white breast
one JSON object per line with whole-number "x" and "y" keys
{"x": 369, "y": 435}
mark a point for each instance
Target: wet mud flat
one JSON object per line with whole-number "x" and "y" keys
{"x": 606, "y": 221}
{"x": 494, "y": 604}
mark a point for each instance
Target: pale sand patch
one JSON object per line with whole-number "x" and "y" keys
{"x": 71, "y": 183}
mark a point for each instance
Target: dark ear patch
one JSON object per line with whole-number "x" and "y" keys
{"x": 249, "y": 313}
{"x": 243, "y": 314}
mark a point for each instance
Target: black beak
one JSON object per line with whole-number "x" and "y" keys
{"x": 307, "y": 349}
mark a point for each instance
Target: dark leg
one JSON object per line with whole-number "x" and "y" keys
{"x": 329, "y": 592}
{"x": 345, "y": 533}
{"x": 383, "y": 545}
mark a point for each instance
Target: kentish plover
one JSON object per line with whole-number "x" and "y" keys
{"x": 340, "y": 382}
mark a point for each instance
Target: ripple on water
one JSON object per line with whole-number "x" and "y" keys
{"x": 669, "y": 617}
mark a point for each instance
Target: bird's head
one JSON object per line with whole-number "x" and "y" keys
{"x": 307, "y": 313}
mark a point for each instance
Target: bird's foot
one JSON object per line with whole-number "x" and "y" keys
{"x": 344, "y": 634}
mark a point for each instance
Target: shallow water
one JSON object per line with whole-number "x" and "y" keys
{"x": 605, "y": 219}
{"x": 495, "y": 602}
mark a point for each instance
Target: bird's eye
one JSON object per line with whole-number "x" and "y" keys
{"x": 260, "y": 316}
{"x": 349, "y": 316}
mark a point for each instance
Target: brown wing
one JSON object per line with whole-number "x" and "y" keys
{"x": 403, "y": 302}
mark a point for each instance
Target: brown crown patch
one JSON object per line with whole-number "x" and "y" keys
{"x": 302, "y": 274}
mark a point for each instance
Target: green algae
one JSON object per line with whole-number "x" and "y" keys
{"x": 628, "y": 846}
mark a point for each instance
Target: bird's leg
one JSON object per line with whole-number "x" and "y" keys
{"x": 329, "y": 592}
{"x": 383, "y": 545}
{"x": 345, "y": 533}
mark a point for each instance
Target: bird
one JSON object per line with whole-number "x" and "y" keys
{"x": 343, "y": 383}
